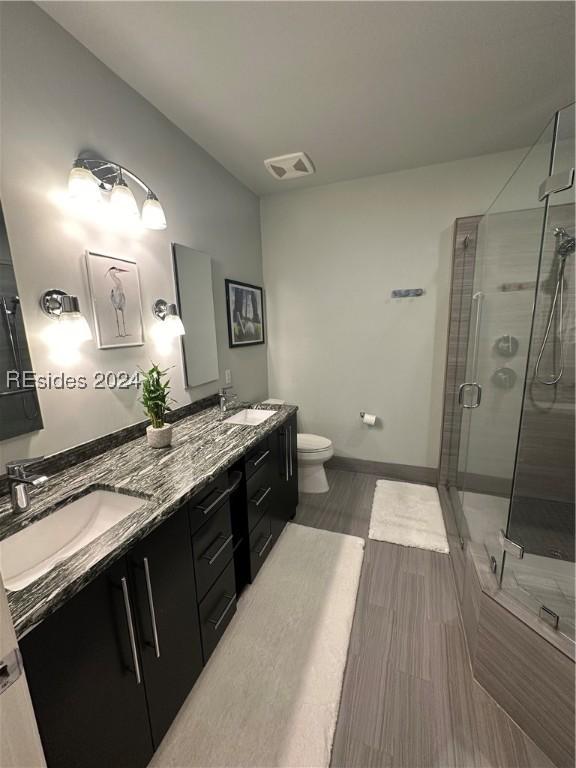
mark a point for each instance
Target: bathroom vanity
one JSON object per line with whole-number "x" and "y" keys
{"x": 114, "y": 638}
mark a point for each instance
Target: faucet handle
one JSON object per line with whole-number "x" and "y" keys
{"x": 223, "y": 390}
{"x": 15, "y": 468}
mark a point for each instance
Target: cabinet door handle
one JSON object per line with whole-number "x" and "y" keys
{"x": 257, "y": 461}
{"x": 209, "y": 508}
{"x": 291, "y": 466}
{"x": 259, "y": 500}
{"x": 286, "y": 454}
{"x": 151, "y": 607}
{"x": 266, "y": 545}
{"x": 216, "y": 622}
{"x": 212, "y": 559}
{"x": 131, "y": 632}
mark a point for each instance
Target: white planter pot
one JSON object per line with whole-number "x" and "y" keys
{"x": 159, "y": 437}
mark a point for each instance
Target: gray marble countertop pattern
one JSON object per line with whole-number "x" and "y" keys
{"x": 202, "y": 447}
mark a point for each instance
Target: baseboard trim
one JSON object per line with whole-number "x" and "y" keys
{"x": 406, "y": 472}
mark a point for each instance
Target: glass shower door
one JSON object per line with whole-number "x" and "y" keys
{"x": 542, "y": 510}
{"x": 491, "y": 394}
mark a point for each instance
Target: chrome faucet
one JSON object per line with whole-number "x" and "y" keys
{"x": 226, "y": 397}
{"x": 20, "y": 480}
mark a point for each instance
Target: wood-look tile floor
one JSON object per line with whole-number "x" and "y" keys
{"x": 409, "y": 699}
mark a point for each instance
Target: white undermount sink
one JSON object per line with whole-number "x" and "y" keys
{"x": 250, "y": 416}
{"x": 34, "y": 550}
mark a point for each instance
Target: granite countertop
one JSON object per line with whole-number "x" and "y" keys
{"x": 202, "y": 447}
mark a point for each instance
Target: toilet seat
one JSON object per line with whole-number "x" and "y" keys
{"x": 308, "y": 443}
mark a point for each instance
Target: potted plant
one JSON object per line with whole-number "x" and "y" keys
{"x": 155, "y": 399}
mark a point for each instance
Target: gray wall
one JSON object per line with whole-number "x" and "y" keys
{"x": 58, "y": 99}
{"x": 338, "y": 343}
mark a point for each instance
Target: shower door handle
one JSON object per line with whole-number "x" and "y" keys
{"x": 462, "y": 388}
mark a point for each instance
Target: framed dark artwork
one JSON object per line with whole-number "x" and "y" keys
{"x": 245, "y": 306}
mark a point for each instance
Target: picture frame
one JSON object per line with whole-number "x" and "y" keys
{"x": 245, "y": 312}
{"x": 114, "y": 285}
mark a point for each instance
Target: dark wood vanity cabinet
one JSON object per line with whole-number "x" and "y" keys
{"x": 80, "y": 664}
{"x": 285, "y": 474}
{"x": 213, "y": 548}
{"x": 271, "y": 490}
{"x": 109, "y": 670}
{"x": 162, "y": 575}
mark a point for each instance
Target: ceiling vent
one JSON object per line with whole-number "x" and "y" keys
{"x": 290, "y": 166}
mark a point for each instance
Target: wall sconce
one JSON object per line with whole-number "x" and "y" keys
{"x": 90, "y": 178}
{"x": 70, "y": 328}
{"x": 168, "y": 313}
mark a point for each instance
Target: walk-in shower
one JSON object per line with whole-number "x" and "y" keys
{"x": 507, "y": 466}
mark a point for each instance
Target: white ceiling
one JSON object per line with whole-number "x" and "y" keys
{"x": 363, "y": 88}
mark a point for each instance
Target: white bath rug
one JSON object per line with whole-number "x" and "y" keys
{"x": 270, "y": 693}
{"x": 408, "y": 514}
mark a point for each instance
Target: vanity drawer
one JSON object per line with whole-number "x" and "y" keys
{"x": 213, "y": 547}
{"x": 261, "y": 542}
{"x": 217, "y": 609}
{"x": 208, "y": 501}
{"x": 258, "y": 456}
{"x": 259, "y": 497}
{"x": 260, "y": 479}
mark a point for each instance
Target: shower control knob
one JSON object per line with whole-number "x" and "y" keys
{"x": 504, "y": 378}
{"x": 507, "y": 345}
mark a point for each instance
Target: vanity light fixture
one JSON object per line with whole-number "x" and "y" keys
{"x": 92, "y": 178}
{"x": 152, "y": 213}
{"x": 168, "y": 313}
{"x": 122, "y": 200}
{"x": 82, "y": 184}
{"x": 70, "y": 328}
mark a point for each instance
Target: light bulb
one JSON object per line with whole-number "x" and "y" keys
{"x": 123, "y": 201}
{"x": 74, "y": 328}
{"x": 153, "y": 216}
{"x": 83, "y": 185}
{"x": 67, "y": 331}
{"x": 174, "y": 326}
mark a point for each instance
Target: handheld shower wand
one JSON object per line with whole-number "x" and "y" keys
{"x": 565, "y": 246}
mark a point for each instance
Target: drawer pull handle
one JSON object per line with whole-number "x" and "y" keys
{"x": 266, "y": 544}
{"x": 257, "y": 461}
{"x": 259, "y": 501}
{"x": 216, "y": 622}
{"x": 151, "y": 607}
{"x": 212, "y": 559}
{"x": 131, "y": 632}
{"x": 215, "y": 503}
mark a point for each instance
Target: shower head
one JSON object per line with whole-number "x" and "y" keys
{"x": 567, "y": 243}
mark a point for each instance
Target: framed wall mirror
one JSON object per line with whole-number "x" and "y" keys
{"x": 193, "y": 273}
{"x": 19, "y": 406}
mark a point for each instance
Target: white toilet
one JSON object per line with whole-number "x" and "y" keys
{"x": 313, "y": 452}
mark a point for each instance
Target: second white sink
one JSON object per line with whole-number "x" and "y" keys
{"x": 250, "y": 416}
{"x": 34, "y": 550}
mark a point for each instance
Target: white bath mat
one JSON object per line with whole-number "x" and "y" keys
{"x": 408, "y": 514}
{"x": 269, "y": 695}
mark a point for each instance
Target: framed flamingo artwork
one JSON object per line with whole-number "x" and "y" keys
{"x": 115, "y": 293}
